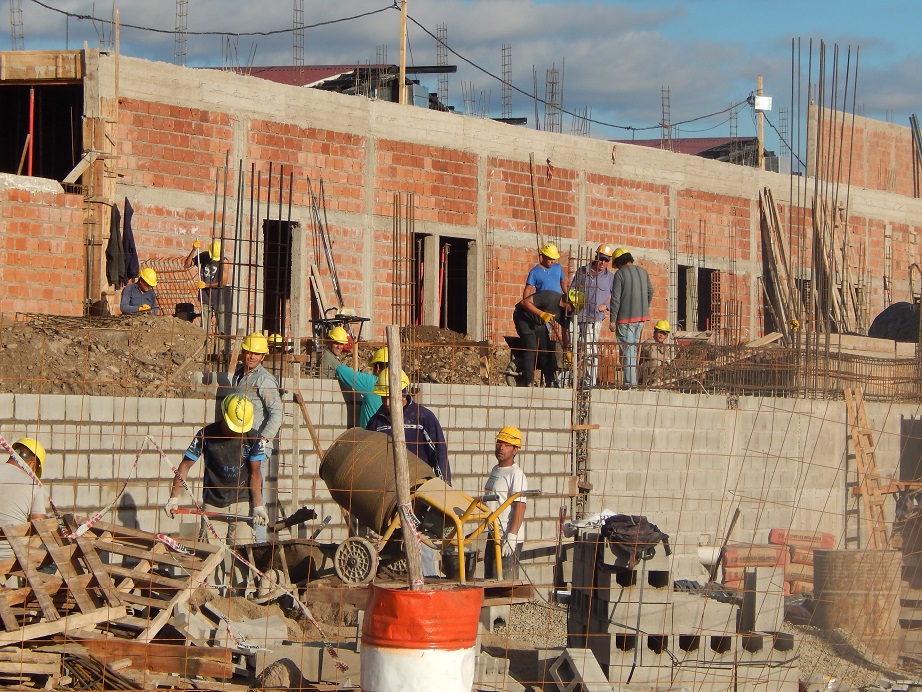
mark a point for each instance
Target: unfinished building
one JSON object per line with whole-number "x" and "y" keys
{"x": 414, "y": 217}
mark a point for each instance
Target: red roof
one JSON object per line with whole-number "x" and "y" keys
{"x": 685, "y": 145}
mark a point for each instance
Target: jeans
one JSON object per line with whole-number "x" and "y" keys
{"x": 587, "y": 339}
{"x": 629, "y": 336}
{"x": 235, "y": 533}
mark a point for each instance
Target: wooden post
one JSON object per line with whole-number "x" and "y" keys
{"x": 402, "y": 93}
{"x": 760, "y": 119}
{"x": 401, "y": 466}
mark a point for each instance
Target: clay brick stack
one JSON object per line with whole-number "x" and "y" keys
{"x": 789, "y": 549}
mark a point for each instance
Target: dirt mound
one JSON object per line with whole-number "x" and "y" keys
{"x": 115, "y": 356}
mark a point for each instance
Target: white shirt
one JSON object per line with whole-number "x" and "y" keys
{"x": 504, "y": 481}
{"x": 21, "y": 497}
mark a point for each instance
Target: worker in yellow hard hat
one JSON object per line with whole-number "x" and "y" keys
{"x": 506, "y": 479}
{"x": 362, "y": 385}
{"x": 422, "y": 429}
{"x": 23, "y": 498}
{"x": 214, "y": 283}
{"x": 336, "y": 343}
{"x": 140, "y": 295}
{"x": 655, "y": 355}
{"x": 592, "y": 284}
{"x": 253, "y": 381}
{"x": 547, "y": 275}
{"x": 232, "y": 484}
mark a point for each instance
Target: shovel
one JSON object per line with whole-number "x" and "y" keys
{"x": 299, "y": 517}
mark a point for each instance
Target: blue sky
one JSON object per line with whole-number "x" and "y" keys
{"x": 614, "y": 57}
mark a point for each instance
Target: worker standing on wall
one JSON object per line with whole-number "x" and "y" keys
{"x": 214, "y": 273}
{"x": 335, "y": 345}
{"x": 363, "y": 385}
{"x": 631, "y": 294}
{"x": 506, "y": 478}
{"x": 422, "y": 429}
{"x": 592, "y": 285}
{"x": 655, "y": 355}
{"x": 547, "y": 275}
{"x": 140, "y": 296}
{"x": 253, "y": 381}
{"x": 233, "y": 475}
{"x": 532, "y": 317}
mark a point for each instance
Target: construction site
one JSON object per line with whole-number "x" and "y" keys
{"x": 777, "y": 455}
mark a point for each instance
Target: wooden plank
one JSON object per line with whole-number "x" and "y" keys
{"x": 161, "y": 619}
{"x": 63, "y": 561}
{"x": 148, "y": 555}
{"x": 868, "y": 478}
{"x": 20, "y": 547}
{"x": 28, "y": 668}
{"x": 71, "y": 622}
{"x": 102, "y": 577}
{"x": 10, "y": 622}
{"x": 147, "y": 580}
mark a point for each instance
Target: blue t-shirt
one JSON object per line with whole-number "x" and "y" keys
{"x": 545, "y": 279}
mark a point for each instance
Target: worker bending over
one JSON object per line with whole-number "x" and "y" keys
{"x": 655, "y": 355}
{"x": 547, "y": 275}
{"x": 140, "y": 296}
{"x": 422, "y": 429}
{"x": 506, "y": 478}
{"x": 233, "y": 478}
{"x": 363, "y": 385}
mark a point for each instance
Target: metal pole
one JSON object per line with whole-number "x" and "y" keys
{"x": 402, "y": 86}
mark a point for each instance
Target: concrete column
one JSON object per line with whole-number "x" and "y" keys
{"x": 431, "y": 280}
{"x": 368, "y": 232}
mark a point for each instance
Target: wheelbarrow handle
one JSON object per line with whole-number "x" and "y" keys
{"x": 299, "y": 517}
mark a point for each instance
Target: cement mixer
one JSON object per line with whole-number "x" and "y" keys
{"x": 359, "y": 472}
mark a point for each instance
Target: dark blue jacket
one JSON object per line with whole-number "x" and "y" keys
{"x": 424, "y": 435}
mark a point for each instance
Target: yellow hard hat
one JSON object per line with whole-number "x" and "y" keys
{"x": 238, "y": 413}
{"x": 620, "y": 251}
{"x": 662, "y": 326}
{"x": 550, "y": 250}
{"x": 148, "y": 276}
{"x": 380, "y": 356}
{"x": 256, "y": 343}
{"x": 577, "y": 299}
{"x": 510, "y": 435}
{"x": 605, "y": 249}
{"x": 382, "y": 387}
{"x": 35, "y": 449}
{"x": 338, "y": 335}
{"x": 276, "y": 340}
{"x": 214, "y": 250}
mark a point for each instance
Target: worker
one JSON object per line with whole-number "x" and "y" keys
{"x": 363, "y": 385}
{"x": 334, "y": 346}
{"x": 592, "y": 287}
{"x": 532, "y": 317}
{"x": 631, "y": 294}
{"x": 24, "y": 498}
{"x": 253, "y": 381}
{"x": 655, "y": 355}
{"x": 140, "y": 295}
{"x": 547, "y": 275}
{"x": 506, "y": 478}
{"x": 233, "y": 476}
{"x": 214, "y": 275}
{"x": 422, "y": 429}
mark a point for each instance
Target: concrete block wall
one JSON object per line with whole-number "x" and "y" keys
{"x": 41, "y": 234}
{"x": 684, "y": 461}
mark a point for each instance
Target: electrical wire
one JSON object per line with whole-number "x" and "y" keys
{"x": 274, "y": 32}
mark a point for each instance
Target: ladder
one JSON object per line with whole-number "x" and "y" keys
{"x": 868, "y": 485}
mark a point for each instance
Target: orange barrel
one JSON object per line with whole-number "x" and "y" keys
{"x": 359, "y": 472}
{"x": 420, "y": 641}
{"x": 858, "y": 591}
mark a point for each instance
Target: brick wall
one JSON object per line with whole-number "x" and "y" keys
{"x": 42, "y": 261}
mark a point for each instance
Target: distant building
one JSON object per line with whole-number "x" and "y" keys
{"x": 742, "y": 151}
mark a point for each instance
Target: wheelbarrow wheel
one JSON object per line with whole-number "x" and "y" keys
{"x": 355, "y": 561}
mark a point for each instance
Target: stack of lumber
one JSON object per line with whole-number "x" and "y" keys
{"x": 798, "y": 574}
{"x": 782, "y": 295}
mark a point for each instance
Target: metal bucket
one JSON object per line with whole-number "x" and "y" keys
{"x": 359, "y": 472}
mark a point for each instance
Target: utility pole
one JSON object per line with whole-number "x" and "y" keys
{"x": 761, "y": 123}
{"x": 402, "y": 86}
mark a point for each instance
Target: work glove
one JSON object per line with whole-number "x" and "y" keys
{"x": 171, "y": 506}
{"x": 512, "y": 540}
{"x": 144, "y": 308}
{"x": 196, "y": 244}
{"x": 547, "y": 317}
{"x": 200, "y": 285}
{"x": 568, "y": 358}
{"x": 260, "y": 516}
{"x": 612, "y": 326}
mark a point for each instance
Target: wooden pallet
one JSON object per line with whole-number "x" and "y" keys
{"x": 123, "y": 578}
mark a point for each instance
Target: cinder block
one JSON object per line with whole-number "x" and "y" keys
{"x": 151, "y": 411}
{"x": 25, "y": 407}
{"x": 769, "y": 599}
{"x": 52, "y": 406}
{"x": 617, "y": 618}
{"x": 101, "y": 409}
{"x": 491, "y": 614}
{"x": 305, "y": 657}
{"x": 693, "y": 613}
{"x": 577, "y": 669}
